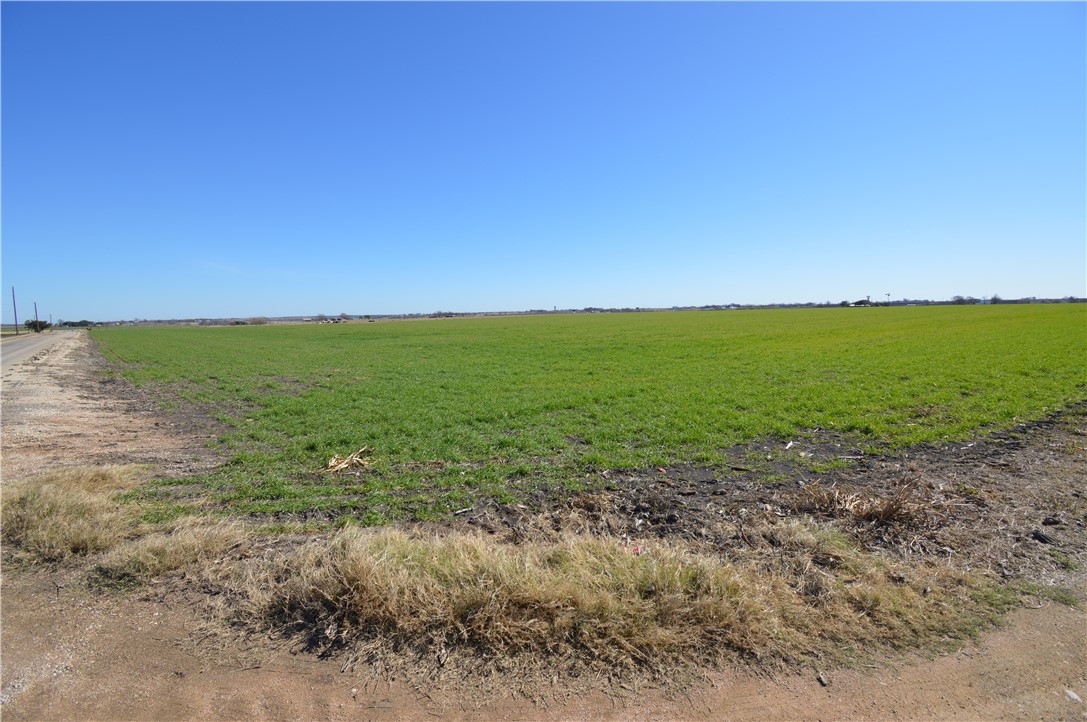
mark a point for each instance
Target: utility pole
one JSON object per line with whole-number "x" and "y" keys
{"x": 37, "y": 323}
{"x": 15, "y": 309}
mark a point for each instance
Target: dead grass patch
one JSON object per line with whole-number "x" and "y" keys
{"x": 187, "y": 542}
{"x": 908, "y": 504}
{"x": 458, "y": 604}
{"x": 567, "y": 595}
{"x": 67, "y": 513}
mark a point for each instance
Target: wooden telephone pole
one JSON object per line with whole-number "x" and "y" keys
{"x": 15, "y": 309}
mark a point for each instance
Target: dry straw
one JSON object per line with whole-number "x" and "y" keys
{"x": 589, "y": 603}
{"x": 69, "y": 512}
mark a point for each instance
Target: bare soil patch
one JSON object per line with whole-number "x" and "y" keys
{"x": 1005, "y": 504}
{"x": 66, "y": 407}
{"x": 1010, "y": 503}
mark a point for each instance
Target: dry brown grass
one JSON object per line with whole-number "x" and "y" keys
{"x": 589, "y": 605}
{"x": 187, "y": 542}
{"x": 76, "y": 512}
{"x": 908, "y": 502}
{"x": 443, "y": 604}
{"x": 67, "y": 513}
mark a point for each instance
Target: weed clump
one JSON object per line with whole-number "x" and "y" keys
{"x": 908, "y": 504}
{"x": 189, "y": 541}
{"x": 68, "y": 513}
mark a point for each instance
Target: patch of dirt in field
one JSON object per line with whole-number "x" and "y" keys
{"x": 1007, "y": 504}
{"x": 1010, "y": 504}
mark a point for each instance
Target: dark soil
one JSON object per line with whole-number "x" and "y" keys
{"x": 1008, "y": 503}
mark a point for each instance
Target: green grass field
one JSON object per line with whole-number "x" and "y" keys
{"x": 455, "y": 409}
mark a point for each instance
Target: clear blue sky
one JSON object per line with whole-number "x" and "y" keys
{"x": 171, "y": 160}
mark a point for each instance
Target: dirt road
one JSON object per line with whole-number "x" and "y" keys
{"x": 61, "y": 408}
{"x": 68, "y": 654}
{"x": 15, "y": 350}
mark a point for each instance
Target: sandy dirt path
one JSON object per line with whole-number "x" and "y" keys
{"x": 61, "y": 407}
{"x": 66, "y": 654}
{"x": 16, "y": 349}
